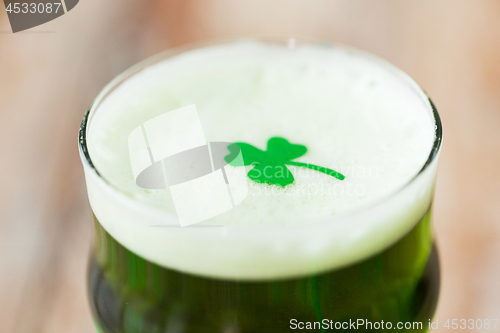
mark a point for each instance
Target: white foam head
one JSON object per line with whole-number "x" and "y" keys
{"x": 355, "y": 113}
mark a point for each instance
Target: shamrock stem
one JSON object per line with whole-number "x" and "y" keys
{"x": 327, "y": 171}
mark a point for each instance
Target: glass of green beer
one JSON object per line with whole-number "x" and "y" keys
{"x": 262, "y": 185}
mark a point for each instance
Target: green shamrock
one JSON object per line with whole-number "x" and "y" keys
{"x": 270, "y": 165}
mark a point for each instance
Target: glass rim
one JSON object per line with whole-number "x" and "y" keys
{"x": 172, "y": 52}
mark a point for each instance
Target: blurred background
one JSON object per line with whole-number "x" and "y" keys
{"x": 50, "y": 74}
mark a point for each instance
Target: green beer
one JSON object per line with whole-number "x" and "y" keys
{"x": 298, "y": 197}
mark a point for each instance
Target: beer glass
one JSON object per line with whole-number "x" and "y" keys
{"x": 254, "y": 252}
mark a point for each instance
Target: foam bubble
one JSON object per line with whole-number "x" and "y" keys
{"x": 355, "y": 113}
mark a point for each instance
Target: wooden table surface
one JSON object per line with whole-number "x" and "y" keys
{"x": 50, "y": 74}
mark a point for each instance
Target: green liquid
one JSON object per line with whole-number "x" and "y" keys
{"x": 131, "y": 294}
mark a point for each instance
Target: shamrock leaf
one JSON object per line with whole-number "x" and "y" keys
{"x": 276, "y": 174}
{"x": 270, "y": 166}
